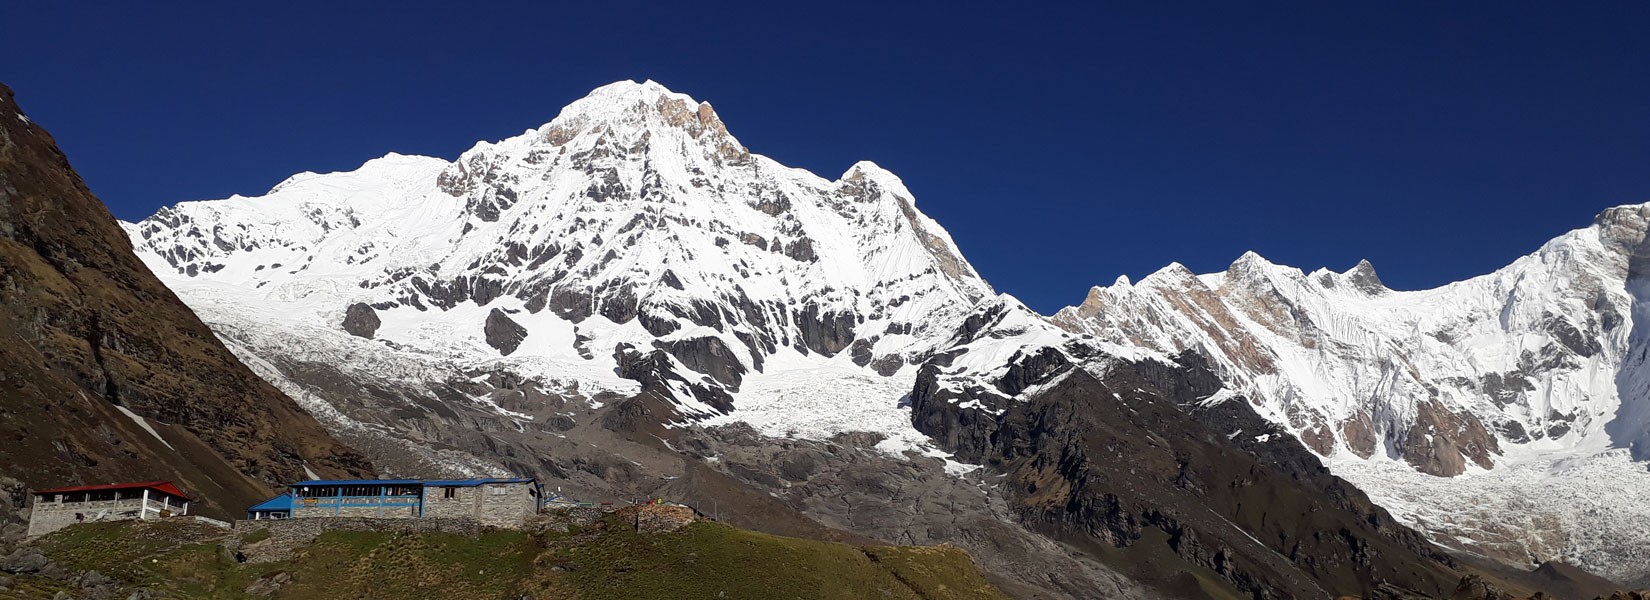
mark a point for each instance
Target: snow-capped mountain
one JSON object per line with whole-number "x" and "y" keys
{"x": 631, "y": 267}
{"x": 632, "y": 218}
{"x": 1528, "y": 383}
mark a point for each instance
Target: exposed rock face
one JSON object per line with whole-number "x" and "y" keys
{"x": 1440, "y": 441}
{"x": 95, "y": 352}
{"x": 1131, "y": 458}
{"x": 1114, "y": 461}
{"x": 1442, "y": 377}
{"x": 1535, "y": 373}
{"x": 710, "y": 356}
{"x": 502, "y": 333}
{"x": 360, "y": 320}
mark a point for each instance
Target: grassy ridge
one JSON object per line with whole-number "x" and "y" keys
{"x": 608, "y": 560}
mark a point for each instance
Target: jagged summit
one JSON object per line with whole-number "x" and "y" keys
{"x": 1531, "y": 377}
{"x": 624, "y": 111}
{"x": 1363, "y": 277}
{"x": 632, "y": 219}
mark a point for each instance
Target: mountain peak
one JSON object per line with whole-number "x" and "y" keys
{"x": 1363, "y": 277}
{"x": 624, "y": 92}
{"x": 632, "y": 110}
{"x": 1173, "y": 273}
{"x": 627, "y": 100}
{"x": 869, "y": 171}
{"x": 1250, "y": 259}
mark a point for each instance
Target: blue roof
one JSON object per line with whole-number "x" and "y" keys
{"x": 359, "y": 482}
{"x": 476, "y": 482}
{"x": 281, "y": 502}
{"x": 432, "y": 482}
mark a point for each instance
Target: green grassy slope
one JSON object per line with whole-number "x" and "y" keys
{"x": 608, "y": 560}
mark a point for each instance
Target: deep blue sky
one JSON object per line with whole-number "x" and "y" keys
{"x": 1060, "y": 146}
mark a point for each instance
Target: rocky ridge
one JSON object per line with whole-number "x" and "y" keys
{"x": 1527, "y": 376}
{"x": 104, "y": 374}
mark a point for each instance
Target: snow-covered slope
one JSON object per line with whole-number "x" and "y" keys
{"x": 632, "y": 232}
{"x": 465, "y": 316}
{"x": 1521, "y": 382}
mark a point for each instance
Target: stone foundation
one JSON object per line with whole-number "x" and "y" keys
{"x": 285, "y": 535}
{"x": 657, "y": 518}
{"x": 46, "y": 517}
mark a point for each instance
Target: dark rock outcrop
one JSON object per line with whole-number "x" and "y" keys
{"x": 361, "y": 320}
{"x": 825, "y": 333}
{"x": 1116, "y": 464}
{"x": 707, "y": 355}
{"x": 86, "y": 331}
{"x": 503, "y": 334}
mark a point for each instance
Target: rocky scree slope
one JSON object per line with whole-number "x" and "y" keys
{"x": 104, "y": 374}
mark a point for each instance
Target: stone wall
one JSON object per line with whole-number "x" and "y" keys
{"x": 46, "y": 517}
{"x": 492, "y": 504}
{"x": 400, "y": 507}
{"x": 657, "y": 518}
{"x": 506, "y": 504}
{"x": 285, "y": 535}
{"x": 562, "y": 518}
{"x": 464, "y": 503}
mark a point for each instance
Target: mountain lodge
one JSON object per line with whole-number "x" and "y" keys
{"x": 57, "y": 508}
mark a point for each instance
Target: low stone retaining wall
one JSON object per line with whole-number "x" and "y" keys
{"x": 285, "y": 535}
{"x": 565, "y": 517}
{"x": 657, "y": 518}
{"x": 205, "y": 521}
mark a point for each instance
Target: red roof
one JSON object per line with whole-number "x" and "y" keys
{"x": 160, "y": 486}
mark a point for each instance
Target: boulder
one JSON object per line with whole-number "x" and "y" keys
{"x": 361, "y": 320}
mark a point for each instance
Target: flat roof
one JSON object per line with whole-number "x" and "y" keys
{"x": 160, "y": 486}
{"x": 424, "y": 482}
{"x": 359, "y": 482}
{"x": 475, "y": 482}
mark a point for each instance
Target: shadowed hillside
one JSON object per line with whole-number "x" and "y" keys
{"x": 104, "y": 374}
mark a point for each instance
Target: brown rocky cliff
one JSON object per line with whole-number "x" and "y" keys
{"x": 86, "y": 329}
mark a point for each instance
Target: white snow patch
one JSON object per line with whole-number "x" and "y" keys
{"x": 144, "y": 424}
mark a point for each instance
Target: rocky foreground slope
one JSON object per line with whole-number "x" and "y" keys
{"x": 104, "y": 374}
{"x": 628, "y": 302}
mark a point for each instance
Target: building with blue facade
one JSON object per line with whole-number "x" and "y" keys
{"x": 493, "y": 501}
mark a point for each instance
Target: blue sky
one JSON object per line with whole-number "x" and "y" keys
{"x": 1062, "y": 146}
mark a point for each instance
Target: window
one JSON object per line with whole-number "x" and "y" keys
{"x": 449, "y": 493}
{"x": 499, "y": 490}
{"x": 317, "y": 491}
{"x": 363, "y": 490}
